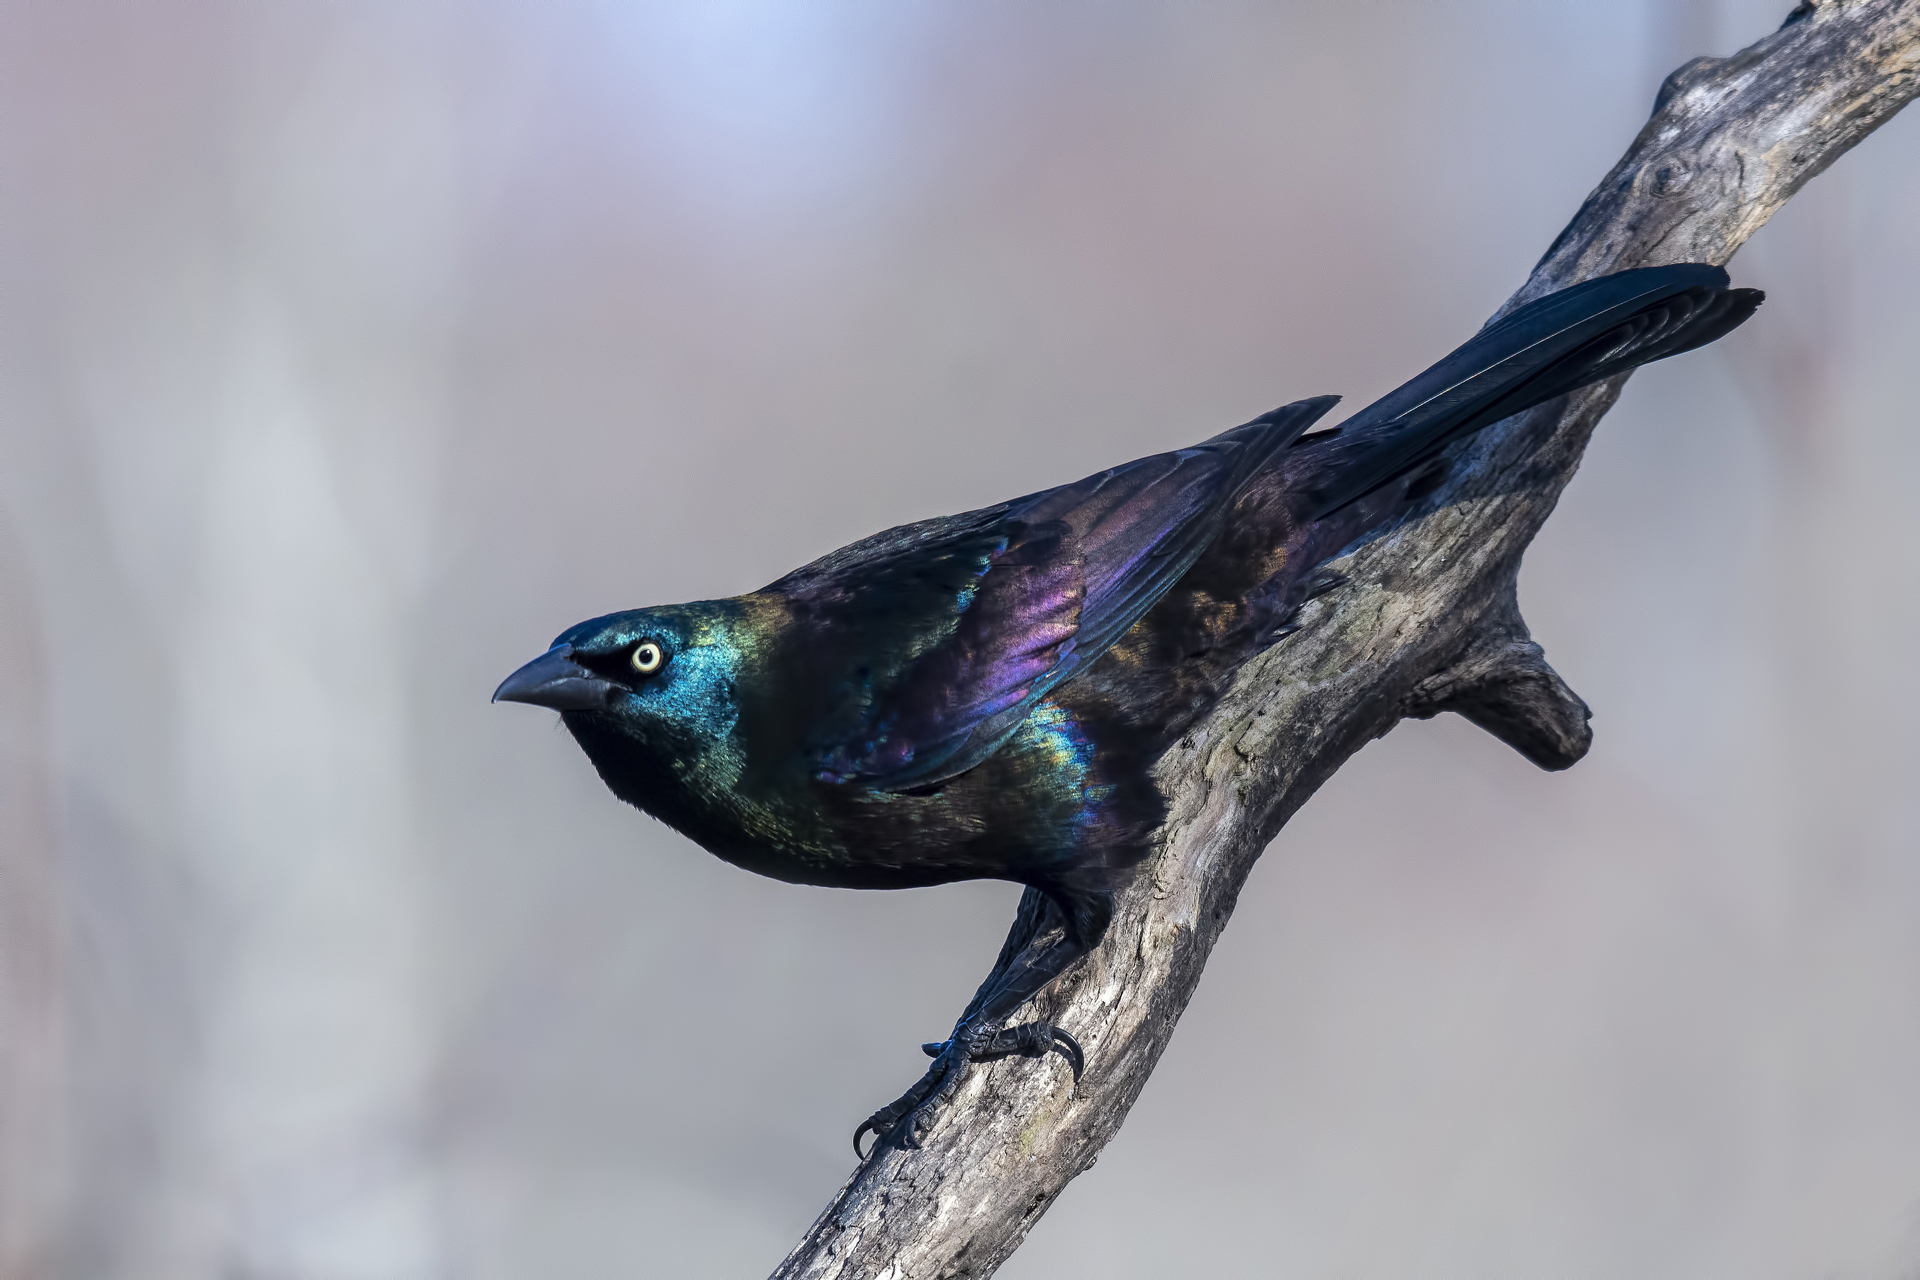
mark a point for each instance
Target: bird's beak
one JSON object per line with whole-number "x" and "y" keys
{"x": 555, "y": 680}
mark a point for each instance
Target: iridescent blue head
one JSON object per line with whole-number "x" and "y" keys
{"x": 656, "y": 688}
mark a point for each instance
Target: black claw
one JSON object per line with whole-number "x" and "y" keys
{"x": 879, "y": 1124}
{"x": 911, "y": 1116}
{"x": 1033, "y": 1040}
{"x": 886, "y": 1121}
{"x": 1069, "y": 1048}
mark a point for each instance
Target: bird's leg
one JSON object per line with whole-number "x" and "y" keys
{"x": 979, "y": 1037}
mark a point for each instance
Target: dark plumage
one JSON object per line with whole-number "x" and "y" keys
{"x": 983, "y": 695}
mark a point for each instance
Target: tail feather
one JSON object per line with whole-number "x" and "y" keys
{"x": 1551, "y": 346}
{"x": 1322, "y": 491}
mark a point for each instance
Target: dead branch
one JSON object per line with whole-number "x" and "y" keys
{"x": 1429, "y": 622}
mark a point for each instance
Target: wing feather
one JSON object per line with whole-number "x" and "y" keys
{"x": 962, "y": 625}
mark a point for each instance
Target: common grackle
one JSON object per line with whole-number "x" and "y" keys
{"x": 984, "y": 695}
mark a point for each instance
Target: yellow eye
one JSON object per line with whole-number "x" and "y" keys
{"x": 648, "y": 657}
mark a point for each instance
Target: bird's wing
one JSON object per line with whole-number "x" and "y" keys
{"x": 961, "y": 625}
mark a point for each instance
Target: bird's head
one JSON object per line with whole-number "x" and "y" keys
{"x": 648, "y": 689}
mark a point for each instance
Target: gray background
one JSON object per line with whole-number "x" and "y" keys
{"x": 348, "y": 351}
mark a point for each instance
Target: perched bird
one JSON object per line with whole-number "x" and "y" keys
{"x": 984, "y": 695}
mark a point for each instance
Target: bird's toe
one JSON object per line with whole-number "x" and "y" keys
{"x": 909, "y": 1118}
{"x": 1034, "y": 1040}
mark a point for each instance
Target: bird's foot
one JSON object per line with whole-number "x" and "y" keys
{"x": 912, "y": 1115}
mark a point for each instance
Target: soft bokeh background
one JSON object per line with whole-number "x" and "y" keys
{"x": 349, "y": 350}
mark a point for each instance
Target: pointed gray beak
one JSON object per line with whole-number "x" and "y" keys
{"x": 555, "y": 680}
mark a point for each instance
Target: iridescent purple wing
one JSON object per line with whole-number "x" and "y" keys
{"x": 963, "y": 624}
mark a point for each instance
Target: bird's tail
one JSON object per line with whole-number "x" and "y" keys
{"x": 1553, "y": 345}
{"x": 1323, "y": 490}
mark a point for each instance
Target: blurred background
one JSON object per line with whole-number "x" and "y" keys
{"x": 351, "y": 350}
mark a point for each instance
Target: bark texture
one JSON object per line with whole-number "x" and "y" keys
{"x": 1428, "y": 622}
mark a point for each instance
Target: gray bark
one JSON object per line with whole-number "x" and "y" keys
{"x": 1429, "y": 621}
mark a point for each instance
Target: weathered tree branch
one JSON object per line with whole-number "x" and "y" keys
{"x": 1428, "y": 622}
{"x": 1503, "y": 684}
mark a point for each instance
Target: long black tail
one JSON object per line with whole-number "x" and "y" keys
{"x": 1550, "y": 346}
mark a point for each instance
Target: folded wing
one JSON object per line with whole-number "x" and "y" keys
{"x": 963, "y": 624}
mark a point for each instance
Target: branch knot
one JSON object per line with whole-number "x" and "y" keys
{"x": 1501, "y": 682}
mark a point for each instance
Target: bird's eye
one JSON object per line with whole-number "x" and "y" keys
{"x": 648, "y": 657}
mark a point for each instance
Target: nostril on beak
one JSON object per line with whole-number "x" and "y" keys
{"x": 556, "y": 681}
